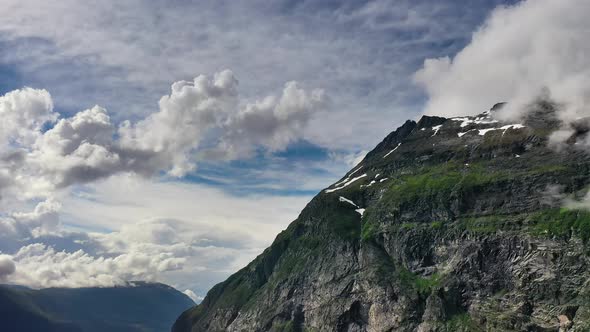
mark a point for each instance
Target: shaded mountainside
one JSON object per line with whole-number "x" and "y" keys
{"x": 447, "y": 225}
{"x": 146, "y": 307}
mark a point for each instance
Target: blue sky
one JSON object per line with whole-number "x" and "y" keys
{"x": 363, "y": 53}
{"x": 124, "y": 56}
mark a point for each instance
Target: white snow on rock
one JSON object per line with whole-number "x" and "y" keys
{"x": 461, "y": 134}
{"x": 327, "y": 191}
{"x": 368, "y": 185}
{"x": 512, "y": 126}
{"x": 346, "y": 200}
{"x": 384, "y": 179}
{"x": 361, "y": 211}
{"x": 479, "y": 120}
{"x": 436, "y": 129}
{"x": 482, "y": 132}
{"x": 390, "y": 152}
{"x": 356, "y": 170}
{"x": 346, "y": 179}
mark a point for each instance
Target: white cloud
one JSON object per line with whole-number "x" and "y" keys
{"x": 23, "y": 114}
{"x": 103, "y": 174}
{"x": 192, "y": 295}
{"x": 44, "y": 219}
{"x": 178, "y": 233}
{"x": 519, "y": 51}
{"x": 362, "y": 52}
{"x": 20, "y": 226}
{"x": 117, "y": 201}
{"x": 272, "y": 122}
{"x": 7, "y": 267}
{"x": 185, "y": 115}
{"x": 87, "y": 146}
{"x": 40, "y": 266}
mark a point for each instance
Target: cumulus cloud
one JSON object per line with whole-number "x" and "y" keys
{"x": 192, "y": 295}
{"x": 7, "y": 267}
{"x": 88, "y": 146}
{"x": 521, "y": 51}
{"x": 185, "y": 115}
{"x": 142, "y": 251}
{"x": 24, "y": 112}
{"x": 41, "y": 266}
{"x": 185, "y": 254}
{"x": 271, "y": 123}
{"x": 17, "y": 227}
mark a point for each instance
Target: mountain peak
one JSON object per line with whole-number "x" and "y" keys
{"x": 446, "y": 225}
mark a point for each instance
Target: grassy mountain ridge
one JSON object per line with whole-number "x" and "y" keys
{"x": 461, "y": 231}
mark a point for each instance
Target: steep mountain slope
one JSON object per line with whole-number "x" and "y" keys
{"x": 144, "y": 307}
{"x": 447, "y": 225}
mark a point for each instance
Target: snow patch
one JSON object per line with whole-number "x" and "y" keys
{"x": 346, "y": 184}
{"x": 461, "y": 134}
{"x": 346, "y": 200}
{"x": 512, "y": 126}
{"x": 482, "y": 132}
{"x": 346, "y": 179}
{"x": 479, "y": 120}
{"x": 390, "y": 152}
{"x": 436, "y": 129}
{"x": 361, "y": 211}
{"x": 368, "y": 185}
{"x": 382, "y": 180}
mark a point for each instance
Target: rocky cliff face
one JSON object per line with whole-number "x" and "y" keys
{"x": 447, "y": 225}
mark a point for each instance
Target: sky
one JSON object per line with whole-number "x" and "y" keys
{"x": 173, "y": 140}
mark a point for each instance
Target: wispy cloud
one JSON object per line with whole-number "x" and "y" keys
{"x": 124, "y": 55}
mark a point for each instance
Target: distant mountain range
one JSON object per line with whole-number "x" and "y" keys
{"x": 143, "y": 307}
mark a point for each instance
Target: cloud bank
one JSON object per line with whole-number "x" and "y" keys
{"x": 179, "y": 233}
{"x": 88, "y": 146}
{"x": 148, "y": 250}
{"x": 520, "y": 52}
{"x": 362, "y": 51}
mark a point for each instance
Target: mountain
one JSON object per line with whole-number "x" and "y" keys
{"x": 145, "y": 307}
{"x": 449, "y": 224}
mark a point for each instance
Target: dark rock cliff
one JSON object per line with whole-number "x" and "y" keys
{"x": 447, "y": 225}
